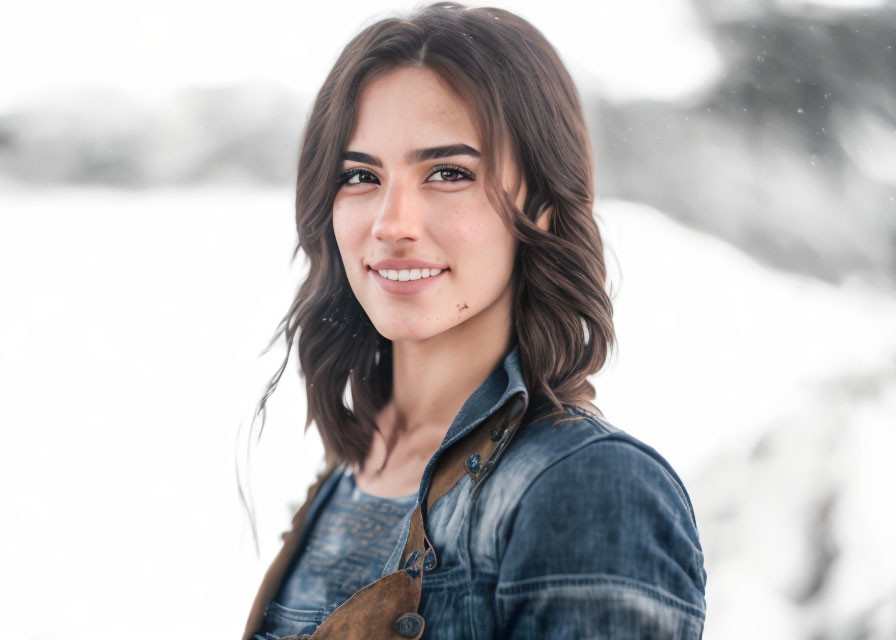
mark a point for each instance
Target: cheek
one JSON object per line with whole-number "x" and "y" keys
{"x": 343, "y": 228}
{"x": 481, "y": 249}
{"x": 487, "y": 242}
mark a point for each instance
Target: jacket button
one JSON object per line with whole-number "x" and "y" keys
{"x": 409, "y": 625}
{"x": 473, "y": 465}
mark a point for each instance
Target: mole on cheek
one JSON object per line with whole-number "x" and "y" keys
{"x": 463, "y": 307}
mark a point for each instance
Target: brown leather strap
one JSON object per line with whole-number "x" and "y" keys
{"x": 377, "y": 611}
{"x": 469, "y": 456}
{"x": 387, "y": 609}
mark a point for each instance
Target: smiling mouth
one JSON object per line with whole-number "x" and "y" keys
{"x": 407, "y": 275}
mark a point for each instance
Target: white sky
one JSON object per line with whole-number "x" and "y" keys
{"x": 631, "y": 49}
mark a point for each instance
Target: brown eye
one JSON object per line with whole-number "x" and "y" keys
{"x": 451, "y": 173}
{"x": 363, "y": 177}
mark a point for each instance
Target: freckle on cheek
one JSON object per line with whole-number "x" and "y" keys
{"x": 462, "y": 307}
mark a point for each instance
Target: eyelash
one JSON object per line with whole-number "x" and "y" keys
{"x": 345, "y": 176}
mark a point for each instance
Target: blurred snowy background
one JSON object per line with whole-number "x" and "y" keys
{"x": 746, "y": 172}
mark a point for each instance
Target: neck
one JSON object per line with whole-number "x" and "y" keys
{"x": 433, "y": 378}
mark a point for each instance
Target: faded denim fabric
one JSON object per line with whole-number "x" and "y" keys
{"x": 345, "y": 550}
{"x": 579, "y": 531}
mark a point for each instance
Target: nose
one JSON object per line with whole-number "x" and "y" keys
{"x": 400, "y": 215}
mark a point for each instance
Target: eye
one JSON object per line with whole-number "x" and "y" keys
{"x": 363, "y": 177}
{"x": 451, "y": 173}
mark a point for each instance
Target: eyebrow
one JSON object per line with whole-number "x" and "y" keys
{"x": 417, "y": 155}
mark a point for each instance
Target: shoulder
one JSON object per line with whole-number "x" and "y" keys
{"x": 565, "y": 444}
{"x": 613, "y": 505}
{"x": 580, "y": 445}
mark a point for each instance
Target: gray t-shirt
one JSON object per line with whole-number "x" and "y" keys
{"x": 348, "y": 547}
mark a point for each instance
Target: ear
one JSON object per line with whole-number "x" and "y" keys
{"x": 544, "y": 219}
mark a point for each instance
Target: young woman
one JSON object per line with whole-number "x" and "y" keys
{"x": 454, "y": 307}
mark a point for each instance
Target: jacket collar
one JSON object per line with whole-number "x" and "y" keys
{"x": 504, "y": 382}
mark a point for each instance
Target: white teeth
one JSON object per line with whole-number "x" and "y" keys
{"x": 408, "y": 274}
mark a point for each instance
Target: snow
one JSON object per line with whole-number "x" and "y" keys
{"x": 132, "y": 326}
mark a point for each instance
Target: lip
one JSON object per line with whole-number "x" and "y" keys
{"x": 408, "y": 286}
{"x": 398, "y": 265}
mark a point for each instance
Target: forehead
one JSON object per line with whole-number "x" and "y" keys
{"x": 411, "y": 106}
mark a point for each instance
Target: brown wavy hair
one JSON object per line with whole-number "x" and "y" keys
{"x": 521, "y": 95}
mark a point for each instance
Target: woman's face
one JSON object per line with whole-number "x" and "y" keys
{"x": 403, "y": 204}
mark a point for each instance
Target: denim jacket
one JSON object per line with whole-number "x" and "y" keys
{"x": 578, "y": 531}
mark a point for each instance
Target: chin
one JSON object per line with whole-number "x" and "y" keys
{"x": 407, "y": 331}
